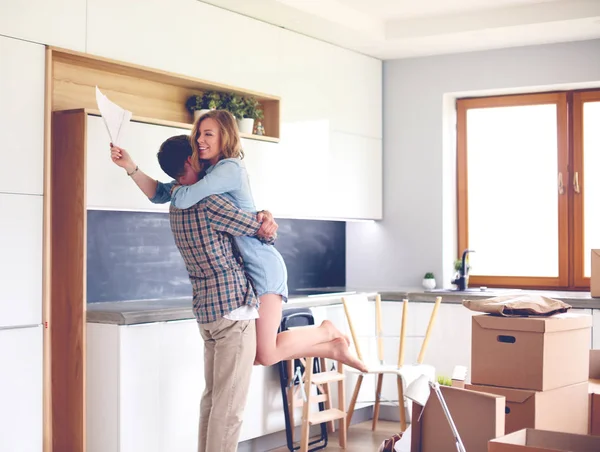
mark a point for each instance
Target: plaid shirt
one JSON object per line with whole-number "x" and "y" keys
{"x": 203, "y": 233}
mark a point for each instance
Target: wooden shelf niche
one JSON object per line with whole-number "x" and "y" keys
{"x": 151, "y": 95}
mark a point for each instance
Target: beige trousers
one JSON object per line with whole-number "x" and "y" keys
{"x": 229, "y": 352}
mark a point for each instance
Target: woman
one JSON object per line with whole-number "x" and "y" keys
{"x": 217, "y": 151}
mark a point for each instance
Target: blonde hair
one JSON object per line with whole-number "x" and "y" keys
{"x": 231, "y": 145}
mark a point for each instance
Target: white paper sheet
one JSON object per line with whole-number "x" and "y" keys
{"x": 115, "y": 118}
{"x": 405, "y": 442}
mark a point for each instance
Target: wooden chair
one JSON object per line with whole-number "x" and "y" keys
{"x": 405, "y": 374}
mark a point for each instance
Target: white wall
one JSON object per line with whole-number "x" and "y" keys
{"x": 418, "y": 232}
{"x": 321, "y": 86}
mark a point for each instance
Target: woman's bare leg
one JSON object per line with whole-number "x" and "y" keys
{"x": 321, "y": 341}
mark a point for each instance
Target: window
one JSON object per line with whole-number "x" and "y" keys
{"x": 525, "y": 203}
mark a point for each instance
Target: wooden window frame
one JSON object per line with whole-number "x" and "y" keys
{"x": 560, "y": 100}
{"x": 579, "y": 98}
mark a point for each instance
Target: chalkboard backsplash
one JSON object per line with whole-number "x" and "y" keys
{"x": 132, "y": 256}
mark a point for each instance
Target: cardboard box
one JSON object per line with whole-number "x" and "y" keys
{"x": 562, "y": 409}
{"x": 595, "y": 276}
{"x": 538, "y": 353}
{"x": 478, "y": 417}
{"x": 594, "y": 389}
{"x": 530, "y": 440}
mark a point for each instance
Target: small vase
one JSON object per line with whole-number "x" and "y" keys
{"x": 428, "y": 283}
{"x": 245, "y": 125}
{"x": 198, "y": 113}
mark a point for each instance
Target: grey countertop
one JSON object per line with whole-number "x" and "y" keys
{"x": 165, "y": 310}
{"x": 575, "y": 299}
{"x": 147, "y": 311}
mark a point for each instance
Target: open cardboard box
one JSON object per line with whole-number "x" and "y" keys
{"x": 560, "y": 410}
{"x": 531, "y": 440}
{"x": 478, "y": 416}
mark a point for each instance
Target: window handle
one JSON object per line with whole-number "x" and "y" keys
{"x": 561, "y": 186}
{"x": 576, "y": 183}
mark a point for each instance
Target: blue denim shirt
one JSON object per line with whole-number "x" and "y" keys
{"x": 229, "y": 177}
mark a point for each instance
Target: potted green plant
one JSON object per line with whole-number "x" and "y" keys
{"x": 254, "y": 111}
{"x": 458, "y": 268}
{"x": 444, "y": 381}
{"x": 245, "y": 110}
{"x": 200, "y": 104}
{"x": 429, "y": 281}
{"x": 458, "y": 265}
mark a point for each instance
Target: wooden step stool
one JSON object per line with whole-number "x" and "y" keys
{"x": 321, "y": 380}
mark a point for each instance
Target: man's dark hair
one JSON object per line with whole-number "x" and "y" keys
{"x": 173, "y": 154}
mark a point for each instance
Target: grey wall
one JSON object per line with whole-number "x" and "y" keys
{"x": 418, "y": 232}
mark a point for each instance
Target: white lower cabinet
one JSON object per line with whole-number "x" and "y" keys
{"x": 21, "y": 389}
{"x": 144, "y": 384}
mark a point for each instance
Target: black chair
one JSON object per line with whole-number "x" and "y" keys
{"x": 290, "y": 377}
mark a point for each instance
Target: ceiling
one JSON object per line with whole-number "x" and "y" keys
{"x": 389, "y": 29}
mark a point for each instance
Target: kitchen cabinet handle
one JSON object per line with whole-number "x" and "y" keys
{"x": 561, "y": 186}
{"x": 576, "y": 183}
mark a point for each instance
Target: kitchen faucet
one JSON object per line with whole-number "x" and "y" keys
{"x": 463, "y": 274}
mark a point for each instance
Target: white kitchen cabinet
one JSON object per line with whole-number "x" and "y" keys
{"x": 307, "y": 81}
{"x": 325, "y": 83}
{"x": 21, "y": 382}
{"x": 357, "y": 94}
{"x": 108, "y": 186}
{"x": 247, "y": 55}
{"x": 290, "y": 178}
{"x": 355, "y": 177}
{"x": 58, "y": 23}
{"x": 319, "y": 175}
{"x": 21, "y": 263}
{"x": 144, "y": 384}
{"x": 22, "y": 75}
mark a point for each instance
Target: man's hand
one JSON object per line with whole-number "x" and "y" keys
{"x": 121, "y": 158}
{"x": 268, "y": 228}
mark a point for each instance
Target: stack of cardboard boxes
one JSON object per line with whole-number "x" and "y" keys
{"x": 539, "y": 364}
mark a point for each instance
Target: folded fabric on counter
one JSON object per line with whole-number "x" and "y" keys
{"x": 518, "y": 305}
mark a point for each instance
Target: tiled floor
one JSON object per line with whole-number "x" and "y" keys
{"x": 360, "y": 437}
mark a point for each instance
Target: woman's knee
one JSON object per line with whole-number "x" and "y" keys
{"x": 266, "y": 357}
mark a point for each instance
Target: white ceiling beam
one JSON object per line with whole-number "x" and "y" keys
{"x": 339, "y": 13}
{"x": 492, "y": 19}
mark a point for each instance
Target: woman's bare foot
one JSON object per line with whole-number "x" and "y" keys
{"x": 334, "y": 333}
{"x": 342, "y": 353}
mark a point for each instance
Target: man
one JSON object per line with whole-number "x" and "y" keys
{"x": 203, "y": 234}
{"x": 224, "y": 301}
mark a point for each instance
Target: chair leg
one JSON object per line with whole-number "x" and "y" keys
{"x": 377, "y": 401}
{"x": 291, "y": 395}
{"x": 401, "y": 403}
{"x": 342, "y": 407}
{"x": 327, "y": 391}
{"x": 306, "y": 407}
{"x": 353, "y": 400}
